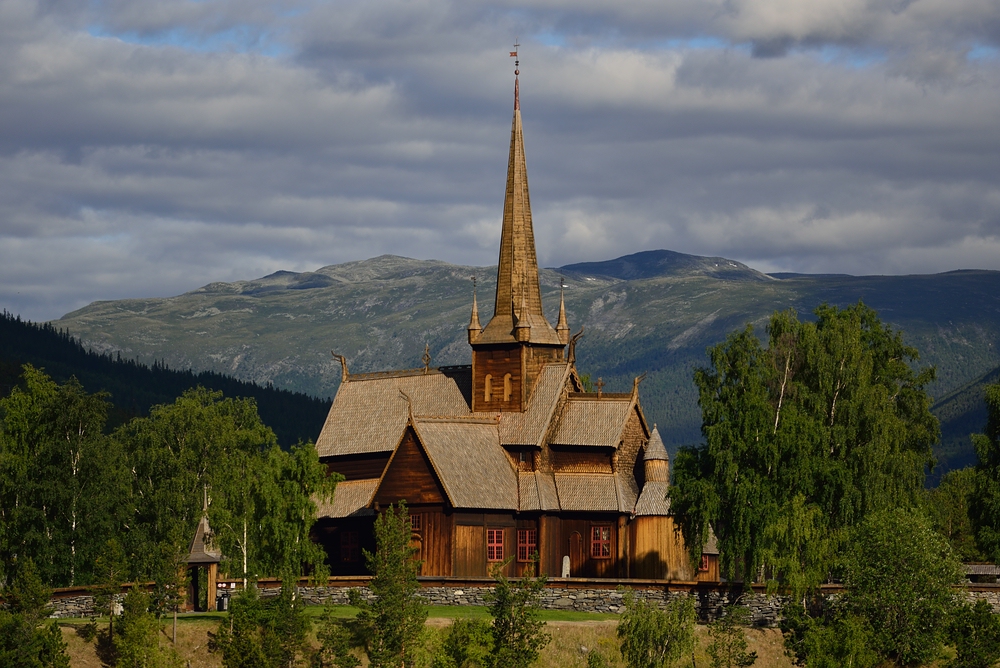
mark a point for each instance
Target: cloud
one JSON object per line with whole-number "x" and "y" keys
{"x": 149, "y": 148}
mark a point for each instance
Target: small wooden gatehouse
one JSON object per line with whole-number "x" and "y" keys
{"x": 508, "y": 456}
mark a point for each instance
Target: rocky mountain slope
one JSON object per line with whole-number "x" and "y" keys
{"x": 653, "y": 312}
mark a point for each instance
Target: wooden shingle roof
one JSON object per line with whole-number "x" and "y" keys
{"x": 201, "y": 550}
{"x": 653, "y": 500}
{"x": 529, "y": 427}
{"x": 593, "y": 421}
{"x": 370, "y": 410}
{"x": 472, "y": 467}
{"x": 587, "y": 491}
{"x": 351, "y": 498}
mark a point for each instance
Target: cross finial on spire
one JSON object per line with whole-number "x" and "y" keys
{"x": 517, "y": 71}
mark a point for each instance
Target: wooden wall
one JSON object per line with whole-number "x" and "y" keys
{"x": 434, "y": 540}
{"x": 657, "y": 550}
{"x": 358, "y": 467}
{"x": 410, "y": 477}
{"x": 568, "y": 459}
{"x": 712, "y": 574}
{"x": 497, "y": 362}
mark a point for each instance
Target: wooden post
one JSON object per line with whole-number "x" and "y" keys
{"x": 194, "y": 583}
{"x": 213, "y": 574}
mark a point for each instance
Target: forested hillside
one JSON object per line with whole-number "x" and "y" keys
{"x": 135, "y": 387}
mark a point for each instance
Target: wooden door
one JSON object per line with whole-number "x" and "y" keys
{"x": 577, "y": 557}
{"x": 469, "y": 557}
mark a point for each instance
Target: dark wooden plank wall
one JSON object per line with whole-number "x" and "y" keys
{"x": 567, "y": 459}
{"x": 585, "y": 565}
{"x": 435, "y": 541}
{"x": 358, "y": 467}
{"x": 410, "y": 477}
{"x": 496, "y": 362}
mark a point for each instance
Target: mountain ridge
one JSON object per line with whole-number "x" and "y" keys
{"x": 381, "y": 312}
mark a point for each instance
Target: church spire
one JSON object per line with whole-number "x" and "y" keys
{"x": 517, "y": 274}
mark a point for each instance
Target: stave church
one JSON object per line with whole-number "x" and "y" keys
{"x": 509, "y": 456}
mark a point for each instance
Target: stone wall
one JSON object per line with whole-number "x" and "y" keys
{"x": 582, "y": 596}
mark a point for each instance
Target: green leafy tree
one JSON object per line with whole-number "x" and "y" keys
{"x": 392, "y": 623}
{"x": 518, "y": 632}
{"x": 948, "y": 508}
{"x": 262, "y": 498}
{"x": 27, "y": 638}
{"x": 263, "y": 633}
{"x": 111, "y": 573}
{"x": 899, "y": 579}
{"x": 803, "y": 439}
{"x": 654, "y": 638}
{"x": 975, "y": 633}
{"x": 728, "y": 646}
{"x": 62, "y": 484}
{"x": 984, "y": 507}
{"x": 136, "y": 639}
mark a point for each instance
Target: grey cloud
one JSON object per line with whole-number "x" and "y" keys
{"x": 139, "y": 169}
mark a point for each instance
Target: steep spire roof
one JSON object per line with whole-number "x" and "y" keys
{"x": 517, "y": 273}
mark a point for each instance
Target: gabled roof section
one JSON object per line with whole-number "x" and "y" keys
{"x": 350, "y": 499}
{"x": 201, "y": 551}
{"x": 518, "y": 298}
{"x": 469, "y": 461}
{"x": 370, "y": 411}
{"x": 595, "y": 421}
{"x": 529, "y": 427}
{"x": 587, "y": 491}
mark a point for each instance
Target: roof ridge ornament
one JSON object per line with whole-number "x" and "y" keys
{"x": 343, "y": 366}
{"x": 517, "y": 71}
{"x": 426, "y": 357}
{"x": 571, "y": 357}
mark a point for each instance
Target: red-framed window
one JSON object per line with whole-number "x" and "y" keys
{"x": 494, "y": 545}
{"x": 416, "y": 523}
{"x": 350, "y": 547}
{"x": 600, "y": 541}
{"x": 703, "y": 566}
{"x": 527, "y": 543}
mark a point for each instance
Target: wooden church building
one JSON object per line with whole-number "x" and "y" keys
{"x": 508, "y": 456}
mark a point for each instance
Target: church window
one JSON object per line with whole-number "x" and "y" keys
{"x": 494, "y": 545}
{"x": 703, "y": 566}
{"x": 350, "y": 547}
{"x": 416, "y": 523}
{"x": 488, "y": 388}
{"x": 506, "y": 387}
{"x": 527, "y": 544}
{"x": 600, "y": 542}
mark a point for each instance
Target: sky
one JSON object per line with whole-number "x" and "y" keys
{"x": 148, "y": 148}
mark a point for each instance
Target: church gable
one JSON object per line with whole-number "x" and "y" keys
{"x": 410, "y": 477}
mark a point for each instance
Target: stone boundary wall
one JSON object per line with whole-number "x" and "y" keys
{"x": 581, "y": 596}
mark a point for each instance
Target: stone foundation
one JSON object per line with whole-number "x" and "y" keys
{"x": 710, "y": 599}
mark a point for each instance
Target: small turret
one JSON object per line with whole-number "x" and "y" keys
{"x": 522, "y": 326}
{"x": 562, "y": 327}
{"x": 475, "y": 329}
{"x": 655, "y": 461}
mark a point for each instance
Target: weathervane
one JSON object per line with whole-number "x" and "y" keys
{"x": 517, "y": 71}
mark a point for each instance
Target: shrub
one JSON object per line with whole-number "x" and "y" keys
{"x": 518, "y": 633}
{"x": 728, "y": 648}
{"x": 468, "y": 643}
{"x": 654, "y": 638}
{"x": 975, "y": 631}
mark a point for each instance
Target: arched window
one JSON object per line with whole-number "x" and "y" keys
{"x": 488, "y": 388}
{"x": 506, "y": 387}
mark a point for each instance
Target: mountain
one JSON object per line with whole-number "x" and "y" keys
{"x": 962, "y": 412}
{"x": 135, "y": 387}
{"x": 653, "y": 312}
